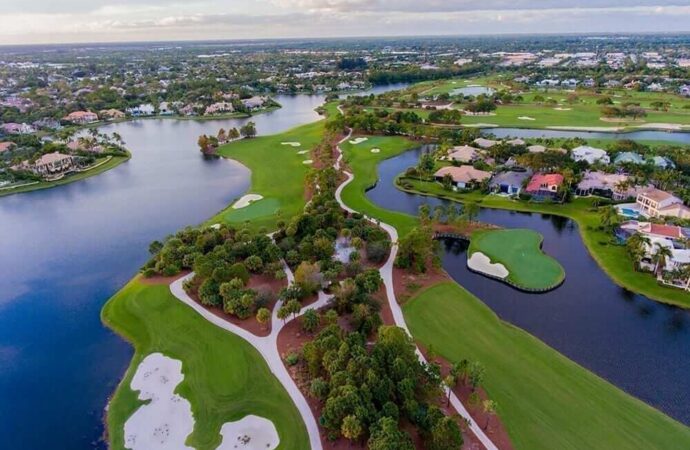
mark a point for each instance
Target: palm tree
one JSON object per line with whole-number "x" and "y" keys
{"x": 471, "y": 211}
{"x": 660, "y": 256}
{"x": 636, "y": 248}
{"x": 609, "y": 216}
{"x": 439, "y": 213}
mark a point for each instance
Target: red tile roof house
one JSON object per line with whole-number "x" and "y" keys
{"x": 464, "y": 177}
{"x": 81, "y": 117}
{"x": 544, "y": 185}
{"x": 53, "y": 164}
{"x": 5, "y": 146}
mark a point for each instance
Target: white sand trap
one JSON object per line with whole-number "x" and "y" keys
{"x": 291, "y": 144}
{"x": 302, "y": 152}
{"x": 663, "y": 126}
{"x": 563, "y": 109}
{"x": 358, "y": 140}
{"x": 479, "y": 125}
{"x": 602, "y": 129}
{"x": 307, "y": 161}
{"x": 215, "y": 226}
{"x": 481, "y": 263}
{"x": 526, "y": 118}
{"x": 246, "y": 200}
{"x": 375, "y": 150}
{"x": 249, "y": 433}
{"x": 167, "y": 420}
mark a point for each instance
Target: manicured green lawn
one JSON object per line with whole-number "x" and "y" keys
{"x": 278, "y": 174}
{"x": 110, "y": 164}
{"x": 363, "y": 164}
{"x": 225, "y": 378}
{"x": 610, "y": 257}
{"x": 519, "y": 250}
{"x": 545, "y": 400}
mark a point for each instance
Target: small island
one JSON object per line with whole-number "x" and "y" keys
{"x": 514, "y": 257}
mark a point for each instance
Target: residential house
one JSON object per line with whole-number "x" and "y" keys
{"x": 17, "y": 128}
{"x": 47, "y": 123}
{"x": 464, "y": 154}
{"x": 81, "y": 117}
{"x": 544, "y": 185}
{"x": 53, "y": 163}
{"x": 610, "y": 185}
{"x": 6, "y": 147}
{"x": 464, "y": 177}
{"x": 663, "y": 162}
{"x": 485, "y": 143}
{"x": 112, "y": 114}
{"x": 654, "y": 230}
{"x": 628, "y": 158}
{"x": 590, "y": 154}
{"x": 658, "y": 203}
{"x": 254, "y": 102}
{"x": 510, "y": 182}
{"x": 515, "y": 142}
{"x": 536, "y": 149}
{"x": 218, "y": 108}
{"x": 164, "y": 109}
{"x": 145, "y": 109}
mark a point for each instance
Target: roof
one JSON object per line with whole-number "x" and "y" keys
{"x": 80, "y": 115}
{"x": 516, "y": 142}
{"x": 463, "y": 153}
{"x": 601, "y": 180}
{"x": 629, "y": 157}
{"x": 590, "y": 154}
{"x": 511, "y": 178}
{"x": 4, "y": 146}
{"x": 671, "y": 231}
{"x": 485, "y": 143}
{"x": 463, "y": 174}
{"x": 548, "y": 179}
{"x": 51, "y": 158}
{"x": 658, "y": 195}
{"x": 536, "y": 149}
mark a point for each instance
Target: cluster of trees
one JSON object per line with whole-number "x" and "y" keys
{"x": 209, "y": 142}
{"x": 368, "y": 390}
{"x": 634, "y": 111}
{"x": 418, "y": 250}
{"x": 481, "y": 105}
{"x": 447, "y": 116}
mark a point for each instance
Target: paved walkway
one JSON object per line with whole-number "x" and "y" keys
{"x": 267, "y": 346}
{"x": 387, "y": 275}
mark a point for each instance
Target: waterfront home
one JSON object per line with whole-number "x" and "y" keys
{"x": 254, "y": 102}
{"x": 112, "y": 114}
{"x": 85, "y": 145}
{"x": 610, "y": 185}
{"x": 81, "y": 117}
{"x": 663, "y": 162}
{"x": 654, "y": 230}
{"x": 464, "y": 154}
{"x": 658, "y": 203}
{"x": 510, "y": 182}
{"x": 678, "y": 258}
{"x": 17, "y": 128}
{"x": 164, "y": 109}
{"x": 145, "y": 109}
{"x": 590, "y": 154}
{"x": 53, "y": 163}
{"x": 628, "y": 158}
{"x": 218, "y": 108}
{"x": 464, "y": 177}
{"x": 544, "y": 185}
{"x": 47, "y": 123}
{"x": 485, "y": 143}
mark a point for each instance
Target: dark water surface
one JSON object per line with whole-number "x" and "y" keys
{"x": 637, "y": 344}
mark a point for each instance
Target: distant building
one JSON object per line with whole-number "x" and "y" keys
{"x": 663, "y": 162}
{"x": 145, "y": 109}
{"x": 463, "y": 177}
{"x": 17, "y": 128}
{"x": 6, "y": 147}
{"x": 658, "y": 203}
{"x": 255, "y": 102}
{"x": 112, "y": 114}
{"x": 485, "y": 143}
{"x": 629, "y": 158}
{"x": 81, "y": 117}
{"x": 164, "y": 109}
{"x": 464, "y": 154}
{"x": 590, "y": 154}
{"x": 219, "y": 108}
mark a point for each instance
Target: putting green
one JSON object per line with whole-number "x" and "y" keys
{"x": 520, "y": 252}
{"x": 259, "y": 208}
{"x": 225, "y": 378}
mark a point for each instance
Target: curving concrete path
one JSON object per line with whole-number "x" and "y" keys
{"x": 267, "y": 346}
{"x": 387, "y": 274}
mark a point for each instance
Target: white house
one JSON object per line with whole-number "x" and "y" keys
{"x": 145, "y": 109}
{"x": 590, "y": 154}
{"x": 658, "y": 203}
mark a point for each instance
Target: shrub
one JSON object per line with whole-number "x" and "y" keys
{"x": 378, "y": 251}
{"x": 149, "y": 272}
{"x": 239, "y": 270}
{"x": 254, "y": 263}
{"x": 291, "y": 359}
{"x": 208, "y": 293}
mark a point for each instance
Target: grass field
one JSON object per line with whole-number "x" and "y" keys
{"x": 363, "y": 164}
{"x": 278, "y": 174}
{"x": 610, "y": 257}
{"x": 519, "y": 250}
{"x": 225, "y": 378}
{"x": 545, "y": 400}
{"x": 111, "y": 164}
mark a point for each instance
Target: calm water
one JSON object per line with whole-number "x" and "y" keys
{"x": 472, "y": 91}
{"x": 65, "y": 251}
{"x": 639, "y": 345}
{"x": 525, "y": 133}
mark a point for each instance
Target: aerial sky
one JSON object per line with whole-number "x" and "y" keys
{"x": 55, "y": 21}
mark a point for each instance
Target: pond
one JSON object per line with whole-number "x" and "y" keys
{"x": 472, "y": 91}
{"x": 529, "y": 133}
{"x": 66, "y": 250}
{"x": 637, "y": 344}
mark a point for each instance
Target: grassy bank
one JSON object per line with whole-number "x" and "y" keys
{"x": 225, "y": 378}
{"x": 105, "y": 166}
{"x": 363, "y": 165}
{"x": 545, "y": 400}
{"x": 519, "y": 251}
{"x": 612, "y": 258}
{"x": 278, "y": 174}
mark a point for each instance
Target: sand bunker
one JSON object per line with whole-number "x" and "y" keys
{"x": 249, "y": 433}
{"x": 358, "y": 140}
{"x": 563, "y": 109}
{"x": 526, "y": 118}
{"x": 246, "y": 201}
{"x": 375, "y": 150}
{"x": 307, "y": 161}
{"x": 481, "y": 263}
{"x": 479, "y": 125}
{"x": 302, "y": 152}
{"x": 167, "y": 420}
{"x": 663, "y": 126}
{"x": 291, "y": 144}
{"x": 215, "y": 226}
